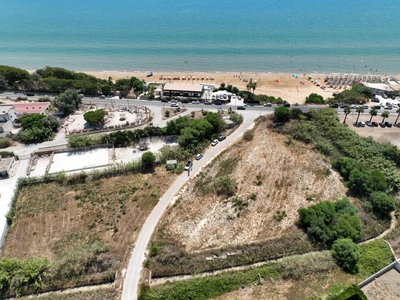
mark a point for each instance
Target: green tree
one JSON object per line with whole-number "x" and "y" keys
{"x": 346, "y": 254}
{"x": 95, "y": 116}
{"x": 359, "y": 110}
{"x": 68, "y": 101}
{"x": 282, "y": 114}
{"x": 137, "y": 84}
{"x": 382, "y": 204}
{"x": 384, "y": 115}
{"x": 373, "y": 112}
{"x": 148, "y": 159}
{"x": 346, "y": 112}
{"x": 398, "y": 114}
{"x": 314, "y": 98}
{"x": 222, "y": 87}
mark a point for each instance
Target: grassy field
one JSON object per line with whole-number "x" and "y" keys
{"x": 298, "y": 277}
{"x": 85, "y": 230}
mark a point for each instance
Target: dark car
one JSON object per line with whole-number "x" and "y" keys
{"x": 375, "y": 124}
{"x": 241, "y": 107}
{"x": 221, "y": 138}
{"x": 388, "y": 124}
{"x": 382, "y": 125}
{"x": 361, "y": 124}
{"x": 369, "y": 123}
{"x": 376, "y": 106}
{"x": 218, "y": 103}
{"x": 30, "y": 93}
{"x": 164, "y": 100}
{"x": 189, "y": 164}
{"x": 334, "y": 105}
{"x": 286, "y": 104}
{"x": 207, "y": 103}
{"x": 343, "y": 105}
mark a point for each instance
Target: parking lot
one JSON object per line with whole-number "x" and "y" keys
{"x": 386, "y": 134}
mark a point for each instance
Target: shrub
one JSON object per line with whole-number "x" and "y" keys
{"x": 282, "y": 114}
{"x": 248, "y": 135}
{"x": 148, "y": 159}
{"x": 314, "y": 98}
{"x": 347, "y": 255}
{"x": 4, "y": 142}
{"x": 382, "y": 204}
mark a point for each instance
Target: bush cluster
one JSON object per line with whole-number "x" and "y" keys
{"x": 325, "y": 222}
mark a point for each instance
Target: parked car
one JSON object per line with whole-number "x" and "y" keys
{"x": 189, "y": 164}
{"x": 102, "y": 97}
{"x": 218, "y": 103}
{"x": 388, "y": 124}
{"x": 286, "y": 104}
{"x": 365, "y": 107}
{"x": 334, "y": 105}
{"x": 344, "y": 105}
{"x": 375, "y": 124}
{"x": 268, "y": 104}
{"x": 221, "y": 138}
{"x": 382, "y": 125}
{"x": 376, "y": 106}
{"x": 207, "y": 103}
{"x": 384, "y": 96}
{"x": 388, "y": 107}
{"x": 361, "y": 124}
{"x": 375, "y": 99}
{"x": 164, "y": 100}
{"x": 174, "y": 105}
{"x": 369, "y": 123}
{"x": 353, "y": 106}
{"x": 195, "y": 102}
{"x": 214, "y": 142}
{"x": 241, "y": 107}
{"x": 199, "y": 156}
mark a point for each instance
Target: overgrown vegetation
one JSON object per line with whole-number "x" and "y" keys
{"x": 37, "y": 127}
{"x": 289, "y": 268}
{"x": 325, "y": 222}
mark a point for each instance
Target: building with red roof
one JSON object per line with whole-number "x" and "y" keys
{"x": 31, "y": 108}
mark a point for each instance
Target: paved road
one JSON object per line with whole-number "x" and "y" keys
{"x": 132, "y": 275}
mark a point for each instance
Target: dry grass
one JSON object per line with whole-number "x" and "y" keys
{"x": 111, "y": 209}
{"x": 272, "y": 180}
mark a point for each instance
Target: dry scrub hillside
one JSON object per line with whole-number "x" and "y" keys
{"x": 271, "y": 180}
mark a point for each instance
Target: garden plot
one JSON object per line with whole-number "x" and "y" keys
{"x": 79, "y": 160}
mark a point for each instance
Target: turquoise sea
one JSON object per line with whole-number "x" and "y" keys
{"x": 285, "y": 36}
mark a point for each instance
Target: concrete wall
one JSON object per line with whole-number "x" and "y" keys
{"x": 394, "y": 265}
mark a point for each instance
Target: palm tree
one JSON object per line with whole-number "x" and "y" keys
{"x": 251, "y": 86}
{"x": 346, "y": 112}
{"x": 384, "y": 115}
{"x": 398, "y": 114}
{"x": 373, "y": 112}
{"x": 360, "y": 110}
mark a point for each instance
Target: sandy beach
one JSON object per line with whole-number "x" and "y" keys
{"x": 286, "y": 86}
{"x": 293, "y": 88}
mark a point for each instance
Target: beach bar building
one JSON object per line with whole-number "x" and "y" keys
{"x": 183, "y": 90}
{"x": 378, "y": 88}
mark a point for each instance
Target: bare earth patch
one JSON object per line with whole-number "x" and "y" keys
{"x": 273, "y": 180}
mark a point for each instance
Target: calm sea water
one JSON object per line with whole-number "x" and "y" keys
{"x": 335, "y": 36}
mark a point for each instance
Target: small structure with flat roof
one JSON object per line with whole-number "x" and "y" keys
{"x": 378, "y": 88}
{"x": 184, "y": 90}
{"x": 6, "y": 165}
{"x": 7, "y": 118}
